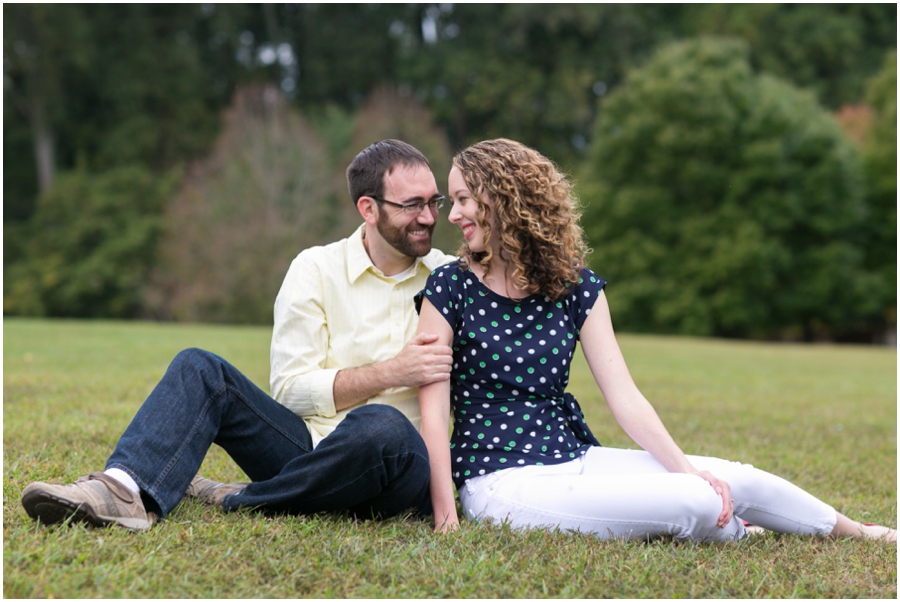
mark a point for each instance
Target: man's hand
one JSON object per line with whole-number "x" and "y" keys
{"x": 422, "y": 361}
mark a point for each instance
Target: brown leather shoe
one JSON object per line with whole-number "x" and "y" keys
{"x": 212, "y": 492}
{"x": 97, "y": 499}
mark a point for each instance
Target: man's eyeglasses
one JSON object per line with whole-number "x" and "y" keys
{"x": 415, "y": 208}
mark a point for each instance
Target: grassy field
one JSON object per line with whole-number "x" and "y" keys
{"x": 824, "y": 417}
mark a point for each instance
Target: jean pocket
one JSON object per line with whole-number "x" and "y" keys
{"x": 476, "y": 493}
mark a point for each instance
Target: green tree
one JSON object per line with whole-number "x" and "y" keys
{"x": 43, "y": 47}
{"x": 723, "y": 202}
{"x": 87, "y": 245}
{"x": 828, "y": 48}
{"x": 880, "y": 154}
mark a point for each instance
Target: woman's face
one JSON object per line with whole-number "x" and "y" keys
{"x": 464, "y": 212}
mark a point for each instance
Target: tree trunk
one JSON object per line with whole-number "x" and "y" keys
{"x": 44, "y": 149}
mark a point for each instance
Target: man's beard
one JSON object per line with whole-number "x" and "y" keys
{"x": 399, "y": 238}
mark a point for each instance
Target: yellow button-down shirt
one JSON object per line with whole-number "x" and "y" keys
{"x": 336, "y": 310}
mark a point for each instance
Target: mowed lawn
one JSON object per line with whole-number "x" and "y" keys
{"x": 824, "y": 417}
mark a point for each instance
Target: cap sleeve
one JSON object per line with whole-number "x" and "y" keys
{"x": 584, "y": 295}
{"x": 444, "y": 290}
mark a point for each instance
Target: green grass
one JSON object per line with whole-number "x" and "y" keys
{"x": 824, "y": 417}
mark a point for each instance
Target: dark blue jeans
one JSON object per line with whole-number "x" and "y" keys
{"x": 374, "y": 463}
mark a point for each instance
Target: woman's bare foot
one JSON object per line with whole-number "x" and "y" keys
{"x": 844, "y": 527}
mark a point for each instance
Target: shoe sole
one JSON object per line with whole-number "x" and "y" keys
{"x": 53, "y": 510}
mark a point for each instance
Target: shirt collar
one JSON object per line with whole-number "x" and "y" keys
{"x": 358, "y": 261}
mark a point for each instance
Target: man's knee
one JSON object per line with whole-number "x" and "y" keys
{"x": 385, "y": 426}
{"x": 193, "y": 358}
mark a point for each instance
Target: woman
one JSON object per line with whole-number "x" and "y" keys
{"x": 513, "y": 308}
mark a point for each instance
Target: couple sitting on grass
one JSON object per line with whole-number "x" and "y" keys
{"x": 379, "y": 340}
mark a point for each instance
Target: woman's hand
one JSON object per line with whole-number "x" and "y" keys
{"x": 722, "y": 488}
{"x": 446, "y": 525}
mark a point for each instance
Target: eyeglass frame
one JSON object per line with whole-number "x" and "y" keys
{"x": 433, "y": 204}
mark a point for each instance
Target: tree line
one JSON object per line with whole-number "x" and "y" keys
{"x": 736, "y": 163}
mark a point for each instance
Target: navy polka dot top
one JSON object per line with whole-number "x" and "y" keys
{"x": 510, "y": 370}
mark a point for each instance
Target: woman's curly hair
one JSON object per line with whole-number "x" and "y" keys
{"x": 536, "y": 215}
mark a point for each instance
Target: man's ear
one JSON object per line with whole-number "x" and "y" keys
{"x": 366, "y": 207}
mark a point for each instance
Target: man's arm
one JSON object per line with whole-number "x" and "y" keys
{"x": 421, "y": 362}
{"x": 298, "y": 378}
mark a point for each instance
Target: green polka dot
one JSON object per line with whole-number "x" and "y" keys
{"x": 487, "y": 423}
{"x": 481, "y": 435}
{"x": 496, "y": 357}
{"x": 519, "y": 430}
{"x": 530, "y": 370}
{"x": 503, "y": 460}
{"x": 494, "y": 324}
{"x": 482, "y": 364}
{"x": 490, "y": 395}
{"x": 504, "y": 409}
{"x": 527, "y": 417}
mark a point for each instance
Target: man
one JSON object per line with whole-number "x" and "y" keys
{"x": 342, "y": 434}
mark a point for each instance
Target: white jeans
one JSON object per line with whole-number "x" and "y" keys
{"x": 628, "y": 494}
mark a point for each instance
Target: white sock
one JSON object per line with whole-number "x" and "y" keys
{"x": 124, "y": 478}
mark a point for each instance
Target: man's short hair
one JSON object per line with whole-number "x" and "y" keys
{"x": 365, "y": 175}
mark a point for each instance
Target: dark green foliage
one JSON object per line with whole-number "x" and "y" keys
{"x": 722, "y": 202}
{"x": 880, "y": 155}
{"x": 84, "y": 252}
{"x": 94, "y": 87}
